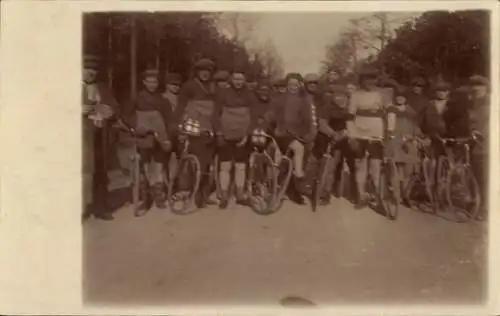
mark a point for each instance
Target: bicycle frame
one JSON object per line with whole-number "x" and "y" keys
{"x": 452, "y": 143}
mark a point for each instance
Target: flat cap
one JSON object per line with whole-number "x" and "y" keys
{"x": 478, "y": 80}
{"x": 280, "y": 83}
{"x": 91, "y": 61}
{"x": 368, "y": 72}
{"x": 418, "y": 81}
{"x": 441, "y": 85}
{"x": 338, "y": 89}
{"x": 293, "y": 75}
{"x": 264, "y": 82}
{"x": 205, "y": 64}
{"x": 151, "y": 73}
{"x": 389, "y": 82}
{"x": 221, "y": 75}
{"x": 311, "y": 78}
{"x": 400, "y": 91}
{"x": 173, "y": 78}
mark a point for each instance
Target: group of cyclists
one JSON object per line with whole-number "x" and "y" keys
{"x": 304, "y": 114}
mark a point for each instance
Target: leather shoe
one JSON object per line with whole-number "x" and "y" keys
{"x": 104, "y": 216}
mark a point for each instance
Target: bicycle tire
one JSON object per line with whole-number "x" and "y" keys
{"x": 418, "y": 185}
{"x": 285, "y": 169}
{"x": 467, "y": 180}
{"x": 262, "y": 205}
{"x": 427, "y": 182}
{"x": 215, "y": 172}
{"x": 443, "y": 167}
{"x": 389, "y": 189}
{"x": 319, "y": 185}
{"x": 189, "y": 205}
{"x": 136, "y": 181}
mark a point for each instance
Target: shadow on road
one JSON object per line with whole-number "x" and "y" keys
{"x": 296, "y": 302}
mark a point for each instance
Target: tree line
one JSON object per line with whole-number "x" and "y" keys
{"x": 128, "y": 43}
{"x": 437, "y": 44}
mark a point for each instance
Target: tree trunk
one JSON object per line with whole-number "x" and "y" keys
{"x": 158, "y": 54}
{"x": 133, "y": 56}
{"x": 110, "y": 52}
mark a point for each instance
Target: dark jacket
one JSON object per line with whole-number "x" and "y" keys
{"x": 293, "y": 116}
{"x": 418, "y": 102}
{"x": 196, "y": 99}
{"x": 453, "y": 122}
{"x": 146, "y": 101}
{"x": 479, "y": 120}
{"x": 98, "y": 138}
{"x": 106, "y": 96}
{"x": 235, "y": 113}
{"x": 334, "y": 116}
{"x": 262, "y": 108}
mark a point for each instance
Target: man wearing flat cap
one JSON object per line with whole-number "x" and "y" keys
{"x": 436, "y": 112}
{"x": 197, "y": 103}
{"x": 151, "y": 112}
{"x": 443, "y": 117}
{"x": 173, "y": 83}
{"x": 331, "y": 78}
{"x": 98, "y": 106}
{"x": 416, "y": 97}
{"x": 333, "y": 116}
{"x": 294, "y": 118}
{"x": 479, "y": 123}
{"x": 236, "y": 117}
{"x": 263, "y": 93}
{"x": 221, "y": 79}
{"x": 280, "y": 86}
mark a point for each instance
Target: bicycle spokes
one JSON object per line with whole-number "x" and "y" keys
{"x": 463, "y": 193}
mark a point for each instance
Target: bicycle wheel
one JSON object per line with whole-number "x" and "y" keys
{"x": 183, "y": 202}
{"x": 389, "y": 189}
{"x": 418, "y": 192}
{"x": 462, "y": 192}
{"x": 215, "y": 173}
{"x": 262, "y": 184}
{"x": 440, "y": 185}
{"x": 427, "y": 181}
{"x": 319, "y": 185}
{"x": 136, "y": 180}
{"x": 283, "y": 174}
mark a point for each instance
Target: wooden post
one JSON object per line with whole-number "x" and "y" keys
{"x": 110, "y": 52}
{"x": 133, "y": 56}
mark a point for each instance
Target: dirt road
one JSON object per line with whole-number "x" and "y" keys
{"x": 335, "y": 256}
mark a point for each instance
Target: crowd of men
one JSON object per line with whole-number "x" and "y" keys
{"x": 303, "y": 113}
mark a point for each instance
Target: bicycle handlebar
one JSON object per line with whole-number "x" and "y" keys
{"x": 457, "y": 140}
{"x": 132, "y": 131}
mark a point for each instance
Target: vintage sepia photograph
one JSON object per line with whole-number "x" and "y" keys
{"x": 285, "y": 159}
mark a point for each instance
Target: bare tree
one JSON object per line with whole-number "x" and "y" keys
{"x": 270, "y": 59}
{"x": 238, "y": 26}
{"x": 363, "y": 40}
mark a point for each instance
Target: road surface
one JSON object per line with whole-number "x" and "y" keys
{"x": 335, "y": 256}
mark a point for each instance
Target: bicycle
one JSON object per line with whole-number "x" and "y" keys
{"x": 419, "y": 187}
{"x": 137, "y": 168}
{"x": 262, "y": 179}
{"x": 319, "y": 184}
{"x": 283, "y": 165}
{"x": 189, "y": 166}
{"x": 459, "y": 190}
{"x": 388, "y": 195}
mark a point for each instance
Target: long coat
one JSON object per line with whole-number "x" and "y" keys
{"x": 95, "y": 141}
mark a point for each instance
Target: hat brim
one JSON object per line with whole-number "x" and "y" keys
{"x": 478, "y": 83}
{"x": 90, "y": 65}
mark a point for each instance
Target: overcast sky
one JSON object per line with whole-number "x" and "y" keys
{"x": 301, "y": 38}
